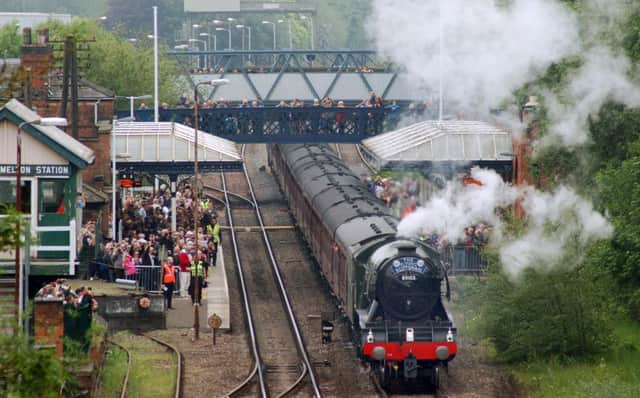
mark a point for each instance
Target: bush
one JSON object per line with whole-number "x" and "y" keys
{"x": 561, "y": 313}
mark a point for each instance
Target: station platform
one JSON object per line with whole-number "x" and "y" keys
{"x": 215, "y": 299}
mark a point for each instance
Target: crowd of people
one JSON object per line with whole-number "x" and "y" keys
{"x": 147, "y": 251}
{"x": 218, "y": 70}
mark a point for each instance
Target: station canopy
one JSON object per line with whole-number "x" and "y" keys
{"x": 442, "y": 141}
{"x": 167, "y": 148}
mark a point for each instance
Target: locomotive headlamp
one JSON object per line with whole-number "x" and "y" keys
{"x": 370, "y": 337}
{"x": 410, "y": 335}
{"x": 449, "y": 336}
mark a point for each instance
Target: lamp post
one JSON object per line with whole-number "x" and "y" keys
{"x": 132, "y": 99}
{"x": 45, "y": 121}
{"x": 196, "y": 215}
{"x": 229, "y": 32}
{"x": 304, "y": 18}
{"x": 204, "y": 43}
{"x": 290, "y": 36}
{"x": 243, "y": 27}
{"x": 230, "y": 21}
{"x": 273, "y": 24}
{"x": 215, "y": 45}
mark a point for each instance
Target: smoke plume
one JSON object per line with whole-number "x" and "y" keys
{"x": 488, "y": 52}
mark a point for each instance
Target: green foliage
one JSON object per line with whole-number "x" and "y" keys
{"x": 8, "y": 233}
{"x": 561, "y": 313}
{"x": 29, "y": 371}
{"x": 121, "y": 66}
{"x": 612, "y": 131}
{"x": 619, "y": 187}
{"x": 10, "y": 40}
{"x": 631, "y": 39}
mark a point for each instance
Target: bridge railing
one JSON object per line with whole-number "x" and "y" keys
{"x": 312, "y": 124}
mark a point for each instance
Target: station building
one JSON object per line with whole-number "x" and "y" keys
{"x": 51, "y": 182}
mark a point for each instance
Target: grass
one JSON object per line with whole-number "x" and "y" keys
{"x": 153, "y": 369}
{"x": 615, "y": 374}
{"x": 115, "y": 367}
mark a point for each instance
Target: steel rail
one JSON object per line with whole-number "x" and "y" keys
{"x": 338, "y": 151}
{"x": 205, "y": 186}
{"x": 178, "y": 362}
{"x": 295, "y": 383}
{"x": 247, "y": 307}
{"x": 125, "y": 381}
{"x": 283, "y": 290}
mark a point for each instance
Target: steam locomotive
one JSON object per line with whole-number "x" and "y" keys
{"x": 390, "y": 288}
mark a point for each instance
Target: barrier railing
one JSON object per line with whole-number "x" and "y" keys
{"x": 149, "y": 277}
{"x": 70, "y": 249}
{"x": 462, "y": 259}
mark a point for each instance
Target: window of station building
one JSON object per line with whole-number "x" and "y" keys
{"x": 52, "y": 196}
{"x": 8, "y": 195}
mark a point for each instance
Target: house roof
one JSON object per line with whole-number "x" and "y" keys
{"x": 443, "y": 141}
{"x": 59, "y": 141}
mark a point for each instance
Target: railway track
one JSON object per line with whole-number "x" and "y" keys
{"x": 124, "y": 389}
{"x": 281, "y": 361}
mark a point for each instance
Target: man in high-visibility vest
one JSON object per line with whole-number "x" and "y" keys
{"x": 169, "y": 280}
{"x": 213, "y": 229}
{"x": 197, "y": 271}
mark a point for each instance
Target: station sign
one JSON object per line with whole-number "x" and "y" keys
{"x": 36, "y": 170}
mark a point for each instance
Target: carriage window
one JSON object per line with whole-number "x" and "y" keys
{"x": 52, "y": 196}
{"x": 8, "y": 195}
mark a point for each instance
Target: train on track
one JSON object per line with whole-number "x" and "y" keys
{"x": 390, "y": 288}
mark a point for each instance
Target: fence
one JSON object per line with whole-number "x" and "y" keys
{"x": 461, "y": 259}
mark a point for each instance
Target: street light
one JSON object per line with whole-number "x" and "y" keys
{"x": 229, "y": 32}
{"x": 273, "y": 24}
{"x": 304, "y": 18}
{"x": 196, "y": 215}
{"x": 131, "y": 100}
{"x": 204, "y": 43}
{"x": 45, "y": 121}
{"x": 248, "y": 28}
{"x": 215, "y": 44}
{"x": 290, "y": 36}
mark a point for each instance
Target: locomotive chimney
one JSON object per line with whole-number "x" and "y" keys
{"x": 26, "y": 36}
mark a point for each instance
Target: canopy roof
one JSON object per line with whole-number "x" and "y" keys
{"x": 169, "y": 142}
{"x": 431, "y": 141}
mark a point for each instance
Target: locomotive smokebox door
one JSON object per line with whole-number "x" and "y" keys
{"x": 327, "y": 327}
{"x": 410, "y": 367}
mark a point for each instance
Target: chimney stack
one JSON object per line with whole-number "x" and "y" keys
{"x": 26, "y": 36}
{"x": 43, "y": 37}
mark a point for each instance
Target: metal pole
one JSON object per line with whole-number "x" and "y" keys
{"x": 290, "y": 37}
{"x": 249, "y": 29}
{"x": 156, "y": 100}
{"x": 196, "y": 201}
{"x": 206, "y": 57}
{"x": 229, "y": 35}
{"x": 18, "y": 281}
{"x": 113, "y": 183}
{"x": 313, "y": 46}
{"x": 215, "y": 48}
{"x": 131, "y": 107}
{"x": 441, "y": 102}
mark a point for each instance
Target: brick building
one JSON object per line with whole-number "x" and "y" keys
{"x": 33, "y": 79}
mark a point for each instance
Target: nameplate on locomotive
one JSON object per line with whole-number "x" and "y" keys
{"x": 408, "y": 264}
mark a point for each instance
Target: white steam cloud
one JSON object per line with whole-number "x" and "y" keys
{"x": 557, "y": 221}
{"x": 488, "y": 50}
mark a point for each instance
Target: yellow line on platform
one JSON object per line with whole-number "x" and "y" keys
{"x": 257, "y": 229}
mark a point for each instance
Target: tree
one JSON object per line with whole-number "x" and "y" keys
{"x": 122, "y": 66}
{"x": 10, "y": 40}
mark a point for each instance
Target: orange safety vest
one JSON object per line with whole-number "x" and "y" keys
{"x": 169, "y": 274}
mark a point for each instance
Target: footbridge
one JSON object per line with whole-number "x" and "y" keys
{"x": 347, "y": 75}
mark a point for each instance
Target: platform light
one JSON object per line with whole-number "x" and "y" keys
{"x": 370, "y": 338}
